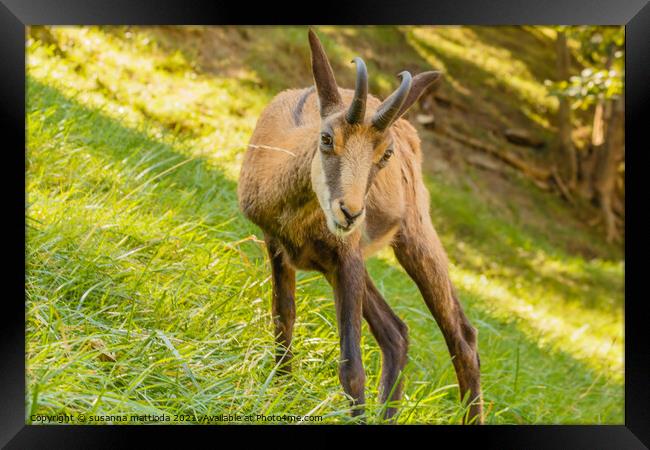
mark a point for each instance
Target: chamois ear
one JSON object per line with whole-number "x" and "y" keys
{"x": 328, "y": 91}
{"x": 418, "y": 86}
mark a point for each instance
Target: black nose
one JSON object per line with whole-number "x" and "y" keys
{"x": 350, "y": 217}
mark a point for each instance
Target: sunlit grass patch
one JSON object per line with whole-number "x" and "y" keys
{"x": 131, "y": 79}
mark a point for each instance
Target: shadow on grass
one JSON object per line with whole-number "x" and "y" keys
{"x": 528, "y": 44}
{"x": 279, "y": 56}
{"x": 492, "y": 103}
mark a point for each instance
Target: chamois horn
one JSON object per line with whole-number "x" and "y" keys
{"x": 388, "y": 110}
{"x": 357, "y": 110}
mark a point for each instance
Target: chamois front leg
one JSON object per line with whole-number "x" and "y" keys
{"x": 283, "y": 307}
{"x": 419, "y": 251}
{"x": 392, "y": 336}
{"x": 348, "y": 281}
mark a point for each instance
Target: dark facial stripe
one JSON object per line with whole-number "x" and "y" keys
{"x": 297, "y": 112}
{"x": 332, "y": 170}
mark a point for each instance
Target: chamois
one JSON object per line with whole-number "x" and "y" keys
{"x": 330, "y": 185}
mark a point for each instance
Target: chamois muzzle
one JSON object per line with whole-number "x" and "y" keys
{"x": 357, "y": 110}
{"x": 388, "y": 110}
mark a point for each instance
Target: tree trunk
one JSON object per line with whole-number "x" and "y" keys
{"x": 588, "y": 162}
{"x": 598, "y": 127}
{"x": 607, "y": 170}
{"x": 566, "y": 159}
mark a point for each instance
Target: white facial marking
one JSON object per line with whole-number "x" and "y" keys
{"x": 320, "y": 187}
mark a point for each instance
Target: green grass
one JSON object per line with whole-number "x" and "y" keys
{"x": 147, "y": 292}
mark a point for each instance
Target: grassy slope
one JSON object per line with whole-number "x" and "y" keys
{"x": 147, "y": 292}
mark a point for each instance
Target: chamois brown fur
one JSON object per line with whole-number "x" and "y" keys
{"x": 330, "y": 189}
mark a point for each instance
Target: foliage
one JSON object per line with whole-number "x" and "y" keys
{"x": 601, "y": 49}
{"x": 598, "y": 44}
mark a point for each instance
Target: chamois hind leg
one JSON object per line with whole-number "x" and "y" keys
{"x": 418, "y": 249}
{"x": 392, "y": 336}
{"x": 283, "y": 307}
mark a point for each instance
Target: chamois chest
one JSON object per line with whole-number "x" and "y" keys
{"x": 311, "y": 246}
{"x": 305, "y": 238}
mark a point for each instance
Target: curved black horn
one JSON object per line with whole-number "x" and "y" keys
{"x": 357, "y": 110}
{"x": 388, "y": 110}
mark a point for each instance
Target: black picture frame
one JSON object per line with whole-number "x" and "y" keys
{"x": 15, "y": 15}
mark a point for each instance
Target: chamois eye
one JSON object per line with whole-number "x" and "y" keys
{"x": 385, "y": 157}
{"x": 326, "y": 141}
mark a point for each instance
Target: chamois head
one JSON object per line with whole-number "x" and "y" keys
{"x": 353, "y": 146}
